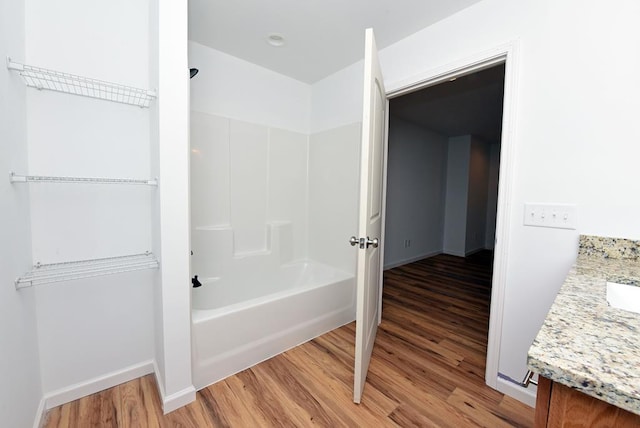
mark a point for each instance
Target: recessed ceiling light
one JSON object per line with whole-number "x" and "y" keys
{"x": 275, "y": 39}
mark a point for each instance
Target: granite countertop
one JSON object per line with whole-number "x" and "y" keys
{"x": 586, "y": 344}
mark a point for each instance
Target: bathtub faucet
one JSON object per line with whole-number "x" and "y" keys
{"x": 195, "y": 282}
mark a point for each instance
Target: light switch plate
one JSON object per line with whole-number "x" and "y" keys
{"x": 560, "y": 216}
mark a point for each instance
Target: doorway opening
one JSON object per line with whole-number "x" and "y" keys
{"x": 454, "y": 190}
{"x": 443, "y": 167}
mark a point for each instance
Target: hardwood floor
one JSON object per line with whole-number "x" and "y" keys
{"x": 427, "y": 369}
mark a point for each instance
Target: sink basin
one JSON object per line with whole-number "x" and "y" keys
{"x": 623, "y": 296}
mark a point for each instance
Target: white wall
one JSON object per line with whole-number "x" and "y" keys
{"x": 572, "y": 136}
{"x": 416, "y": 184}
{"x": 154, "y": 157}
{"x": 230, "y": 87}
{"x": 19, "y": 361}
{"x": 570, "y": 146}
{"x": 337, "y": 99}
{"x": 171, "y": 222}
{"x": 476, "y": 226}
{"x": 457, "y": 195}
{"x": 100, "y": 327}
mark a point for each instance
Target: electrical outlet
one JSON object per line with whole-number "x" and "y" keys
{"x": 407, "y": 243}
{"x": 560, "y": 216}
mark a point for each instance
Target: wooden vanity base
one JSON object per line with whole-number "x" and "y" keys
{"x": 561, "y": 406}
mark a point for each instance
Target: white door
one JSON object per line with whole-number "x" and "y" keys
{"x": 369, "y": 278}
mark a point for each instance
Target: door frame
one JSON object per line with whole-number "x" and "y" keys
{"x": 507, "y": 54}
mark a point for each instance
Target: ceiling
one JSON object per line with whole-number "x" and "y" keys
{"x": 321, "y": 37}
{"x": 469, "y": 105}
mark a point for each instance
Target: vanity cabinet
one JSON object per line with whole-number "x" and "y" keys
{"x": 560, "y": 406}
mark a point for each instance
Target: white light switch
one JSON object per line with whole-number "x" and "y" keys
{"x": 561, "y": 216}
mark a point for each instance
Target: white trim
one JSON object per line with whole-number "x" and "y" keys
{"x": 465, "y": 253}
{"x": 159, "y": 385}
{"x": 175, "y": 400}
{"x": 527, "y": 396}
{"x": 454, "y": 253}
{"x": 506, "y": 53}
{"x": 383, "y": 218}
{"x": 178, "y": 399}
{"x": 411, "y": 259}
{"x": 472, "y": 252}
{"x": 503, "y": 214}
{"x": 97, "y": 384}
{"x": 458, "y": 68}
{"x": 41, "y": 412}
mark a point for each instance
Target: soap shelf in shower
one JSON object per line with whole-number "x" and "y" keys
{"x": 67, "y": 271}
{"x": 42, "y": 78}
{"x": 15, "y": 178}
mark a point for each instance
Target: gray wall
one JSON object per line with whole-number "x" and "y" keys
{"x": 441, "y": 194}
{"x": 416, "y": 178}
{"x": 477, "y": 197}
{"x": 457, "y": 191}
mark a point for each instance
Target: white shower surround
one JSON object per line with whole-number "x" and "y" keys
{"x": 269, "y": 221}
{"x": 259, "y": 304}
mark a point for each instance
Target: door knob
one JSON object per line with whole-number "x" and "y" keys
{"x": 364, "y": 243}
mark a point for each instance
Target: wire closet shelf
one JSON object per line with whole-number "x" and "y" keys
{"x": 15, "y": 178}
{"x": 67, "y": 271}
{"x": 42, "y": 78}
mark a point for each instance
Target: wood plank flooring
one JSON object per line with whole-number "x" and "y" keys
{"x": 427, "y": 370}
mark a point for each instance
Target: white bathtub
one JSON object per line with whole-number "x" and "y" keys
{"x": 255, "y": 315}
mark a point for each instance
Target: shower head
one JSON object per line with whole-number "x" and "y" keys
{"x": 193, "y": 72}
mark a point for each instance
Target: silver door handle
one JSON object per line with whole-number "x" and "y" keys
{"x": 364, "y": 243}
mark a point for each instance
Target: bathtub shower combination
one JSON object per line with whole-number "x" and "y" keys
{"x": 260, "y": 304}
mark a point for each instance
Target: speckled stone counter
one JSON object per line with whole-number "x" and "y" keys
{"x": 584, "y": 343}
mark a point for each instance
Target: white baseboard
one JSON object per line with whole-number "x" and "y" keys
{"x": 454, "y": 253}
{"x": 477, "y": 250}
{"x": 175, "y": 400}
{"x": 524, "y": 395}
{"x": 397, "y": 263}
{"x": 411, "y": 259}
{"x": 100, "y": 383}
{"x": 40, "y": 414}
{"x": 178, "y": 399}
